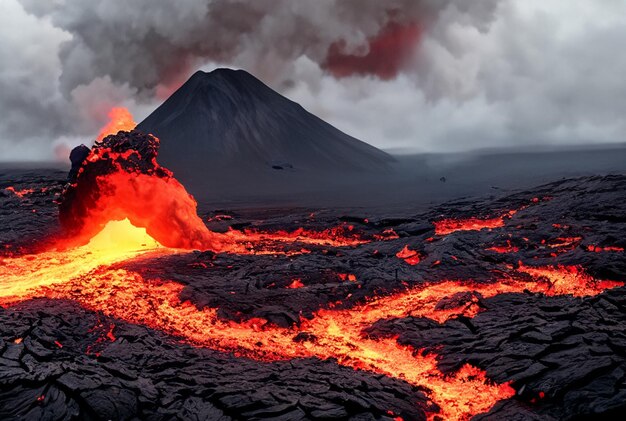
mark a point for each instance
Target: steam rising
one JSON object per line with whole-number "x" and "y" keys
{"x": 451, "y": 61}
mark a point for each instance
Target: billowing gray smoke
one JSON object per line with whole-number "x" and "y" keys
{"x": 147, "y": 43}
{"x": 474, "y": 71}
{"x": 119, "y": 50}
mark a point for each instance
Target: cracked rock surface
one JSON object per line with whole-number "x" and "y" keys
{"x": 565, "y": 356}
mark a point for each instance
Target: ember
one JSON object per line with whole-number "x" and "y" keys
{"x": 297, "y": 283}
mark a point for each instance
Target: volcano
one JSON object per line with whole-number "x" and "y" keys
{"x": 229, "y": 121}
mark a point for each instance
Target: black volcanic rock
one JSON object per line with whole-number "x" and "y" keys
{"x": 228, "y": 119}
{"x": 77, "y": 156}
{"x": 131, "y": 151}
{"x": 564, "y": 355}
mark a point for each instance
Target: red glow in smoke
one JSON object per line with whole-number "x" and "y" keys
{"x": 388, "y": 52}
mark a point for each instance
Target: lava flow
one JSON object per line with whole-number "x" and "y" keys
{"x": 19, "y": 193}
{"x": 341, "y": 236}
{"x": 599, "y": 249}
{"x": 336, "y": 334}
{"x": 120, "y": 178}
{"x": 505, "y": 249}
{"x": 411, "y": 257}
{"x": 123, "y": 206}
{"x": 448, "y": 226}
{"x": 120, "y": 241}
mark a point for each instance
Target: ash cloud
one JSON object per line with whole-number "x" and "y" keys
{"x": 147, "y": 44}
{"x": 449, "y": 74}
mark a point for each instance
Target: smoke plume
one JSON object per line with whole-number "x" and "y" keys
{"x": 70, "y": 61}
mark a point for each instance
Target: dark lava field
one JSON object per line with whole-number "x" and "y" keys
{"x": 508, "y": 308}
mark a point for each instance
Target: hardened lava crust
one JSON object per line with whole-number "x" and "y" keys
{"x": 527, "y": 290}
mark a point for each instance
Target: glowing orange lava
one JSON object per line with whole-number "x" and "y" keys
{"x": 347, "y": 277}
{"x": 160, "y": 204}
{"x": 297, "y": 283}
{"x": 448, "y": 226}
{"x": 341, "y": 236}
{"x": 119, "y": 119}
{"x": 508, "y": 248}
{"x": 565, "y": 243}
{"x": 120, "y": 241}
{"x": 19, "y": 193}
{"x": 412, "y": 257}
{"x": 85, "y": 275}
{"x": 598, "y": 249}
{"x": 121, "y": 179}
{"x": 568, "y": 280}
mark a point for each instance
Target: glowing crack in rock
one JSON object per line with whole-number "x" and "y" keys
{"x": 451, "y": 225}
{"x": 21, "y": 193}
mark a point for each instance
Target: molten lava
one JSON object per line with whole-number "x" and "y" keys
{"x": 568, "y": 280}
{"x": 508, "y": 248}
{"x": 19, "y": 193}
{"x": 341, "y": 236}
{"x": 120, "y": 178}
{"x": 448, "y": 226}
{"x": 295, "y": 284}
{"x": 411, "y": 257}
{"x": 85, "y": 275}
{"x": 565, "y": 243}
{"x": 119, "y": 241}
{"x": 161, "y": 205}
{"x": 598, "y": 249}
{"x": 120, "y": 119}
{"x": 120, "y": 187}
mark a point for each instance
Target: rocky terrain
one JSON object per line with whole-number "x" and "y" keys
{"x": 529, "y": 295}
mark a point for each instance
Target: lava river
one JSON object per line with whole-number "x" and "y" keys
{"x": 90, "y": 275}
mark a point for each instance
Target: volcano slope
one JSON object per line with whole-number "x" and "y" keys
{"x": 499, "y": 308}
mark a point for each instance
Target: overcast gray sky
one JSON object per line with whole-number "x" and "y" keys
{"x": 427, "y": 75}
